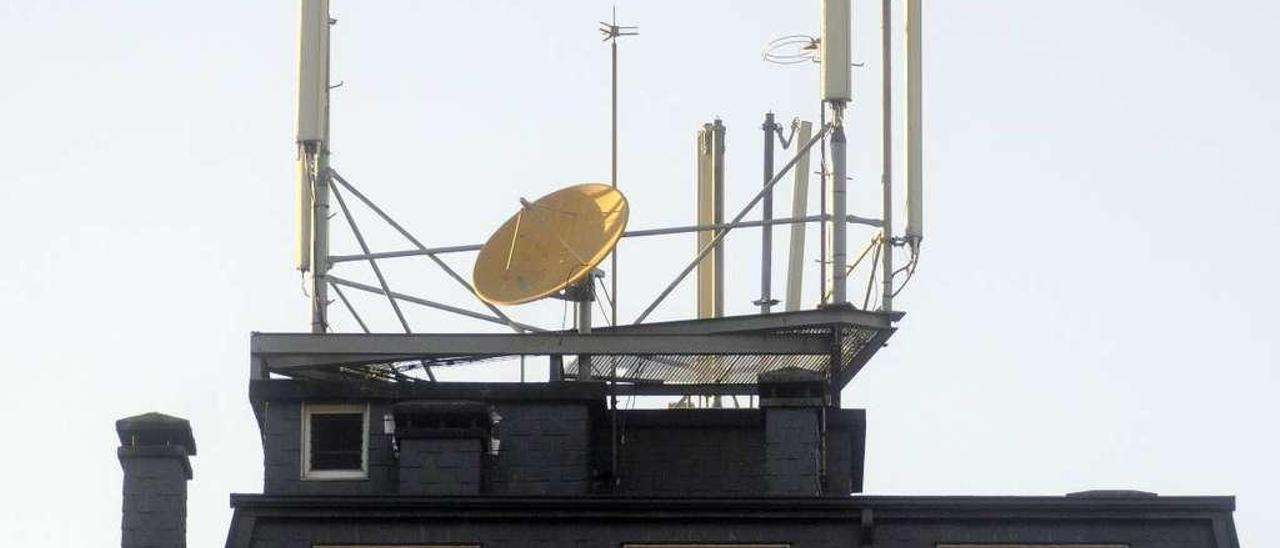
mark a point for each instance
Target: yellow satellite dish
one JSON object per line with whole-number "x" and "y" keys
{"x": 550, "y": 244}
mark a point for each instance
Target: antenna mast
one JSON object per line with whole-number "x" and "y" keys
{"x": 313, "y": 155}
{"x": 611, "y": 32}
{"x": 837, "y": 90}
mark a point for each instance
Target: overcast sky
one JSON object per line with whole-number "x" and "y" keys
{"x": 1094, "y": 308}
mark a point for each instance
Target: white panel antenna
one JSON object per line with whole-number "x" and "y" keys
{"x": 836, "y": 51}
{"x": 313, "y": 70}
{"x": 915, "y": 152}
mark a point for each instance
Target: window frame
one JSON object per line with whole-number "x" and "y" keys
{"x": 309, "y": 409}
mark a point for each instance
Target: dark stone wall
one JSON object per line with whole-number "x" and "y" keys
{"x": 723, "y": 460}
{"x": 1134, "y": 532}
{"x": 155, "y": 497}
{"x": 561, "y": 448}
{"x": 440, "y": 466}
{"x": 1149, "y": 533}
{"x": 544, "y": 449}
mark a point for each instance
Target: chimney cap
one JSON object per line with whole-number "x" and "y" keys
{"x": 156, "y": 429}
{"x": 790, "y": 375}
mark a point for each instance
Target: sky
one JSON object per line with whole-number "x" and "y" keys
{"x": 1093, "y": 308}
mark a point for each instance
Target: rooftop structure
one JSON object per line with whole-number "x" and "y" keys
{"x": 364, "y": 447}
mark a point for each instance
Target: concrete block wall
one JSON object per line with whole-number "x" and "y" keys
{"x": 440, "y": 466}
{"x": 658, "y": 460}
{"x": 544, "y": 449}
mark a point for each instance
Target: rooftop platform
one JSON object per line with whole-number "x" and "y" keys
{"x": 721, "y": 355}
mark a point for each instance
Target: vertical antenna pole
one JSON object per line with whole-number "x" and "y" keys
{"x": 824, "y": 206}
{"x": 766, "y": 300}
{"x": 611, "y": 32}
{"x": 583, "y": 295}
{"x": 320, "y": 243}
{"x": 613, "y": 177}
{"x": 839, "y": 210}
{"x": 886, "y": 139}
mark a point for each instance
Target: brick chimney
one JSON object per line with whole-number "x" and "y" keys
{"x": 793, "y": 400}
{"x": 154, "y": 452}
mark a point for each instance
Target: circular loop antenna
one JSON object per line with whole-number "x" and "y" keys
{"x": 792, "y": 50}
{"x": 550, "y": 244}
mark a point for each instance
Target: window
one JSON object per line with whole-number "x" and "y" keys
{"x": 334, "y": 441}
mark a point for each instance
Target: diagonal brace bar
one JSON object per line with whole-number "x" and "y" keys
{"x": 427, "y": 303}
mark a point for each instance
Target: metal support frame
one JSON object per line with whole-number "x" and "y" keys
{"x": 377, "y": 272}
{"x": 285, "y": 351}
{"x": 737, "y": 218}
{"x": 640, "y": 233}
{"x": 439, "y": 262}
{"x": 428, "y": 303}
{"x": 350, "y": 309}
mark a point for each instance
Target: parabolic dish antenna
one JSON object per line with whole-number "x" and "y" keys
{"x": 550, "y": 244}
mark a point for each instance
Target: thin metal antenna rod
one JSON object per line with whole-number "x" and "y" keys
{"x": 439, "y": 262}
{"x": 886, "y": 228}
{"x": 824, "y": 236}
{"x": 737, "y": 218}
{"x": 766, "y": 300}
{"x": 611, "y": 32}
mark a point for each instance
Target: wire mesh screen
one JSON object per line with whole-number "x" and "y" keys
{"x": 724, "y": 369}
{"x": 851, "y": 343}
